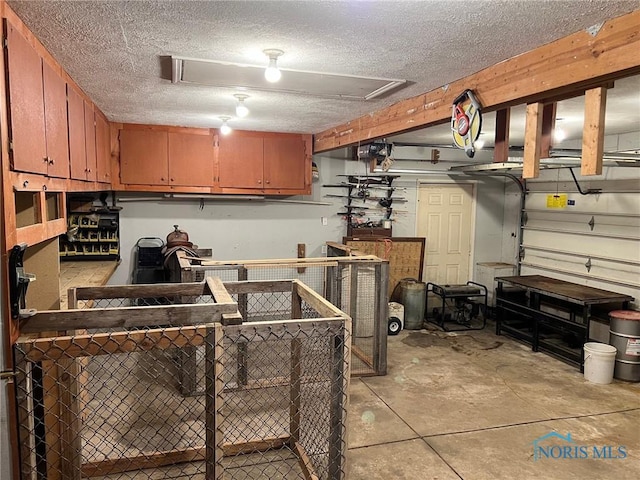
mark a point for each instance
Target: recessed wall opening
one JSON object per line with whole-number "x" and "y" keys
{"x": 52, "y": 203}
{"x": 27, "y": 209}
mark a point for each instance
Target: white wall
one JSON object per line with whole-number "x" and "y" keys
{"x": 235, "y": 230}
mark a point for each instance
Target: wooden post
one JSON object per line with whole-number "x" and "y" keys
{"x": 595, "y": 103}
{"x": 353, "y": 296}
{"x": 532, "y": 140}
{"x": 214, "y": 353}
{"x": 243, "y": 350}
{"x": 187, "y": 355}
{"x": 69, "y": 373}
{"x": 501, "y": 148}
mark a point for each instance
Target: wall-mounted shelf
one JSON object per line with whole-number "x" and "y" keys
{"x": 94, "y": 236}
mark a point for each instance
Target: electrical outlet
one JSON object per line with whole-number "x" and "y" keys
{"x": 325, "y": 221}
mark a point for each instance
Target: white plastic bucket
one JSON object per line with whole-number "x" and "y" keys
{"x": 599, "y": 361}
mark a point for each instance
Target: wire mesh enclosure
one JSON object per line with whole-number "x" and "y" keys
{"x": 356, "y": 285}
{"x": 105, "y": 400}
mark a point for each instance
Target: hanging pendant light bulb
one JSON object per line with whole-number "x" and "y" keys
{"x": 241, "y": 109}
{"x": 272, "y": 73}
{"x": 225, "y": 129}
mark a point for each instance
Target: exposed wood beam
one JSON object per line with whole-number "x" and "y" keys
{"x": 595, "y": 102}
{"x": 532, "y": 140}
{"x": 548, "y": 126}
{"x": 567, "y": 65}
{"x": 501, "y": 149}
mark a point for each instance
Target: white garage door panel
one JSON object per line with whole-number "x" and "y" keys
{"x": 612, "y": 248}
{"x": 622, "y": 289}
{"x": 627, "y": 203}
{"x": 598, "y": 268}
{"x": 583, "y": 228}
{"x": 601, "y": 220}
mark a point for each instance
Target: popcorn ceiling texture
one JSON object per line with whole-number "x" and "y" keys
{"x": 113, "y": 49}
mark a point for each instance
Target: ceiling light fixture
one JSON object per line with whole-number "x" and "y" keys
{"x": 559, "y": 135}
{"x": 272, "y": 73}
{"x": 225, "y": 129}
{"x": 241, "y": 108}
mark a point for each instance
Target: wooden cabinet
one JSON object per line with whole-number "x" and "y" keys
{"x": 275, "y": 163}
{"x": 103, "y": 149}
{"x": 55, "y": 116}
{"x": 90, "y": 142}
{"x": 144, "y": 157}
{"x": 191, "y": 159}
{"x": 77, "y": 148}
{"x": 240, "y": 160}
{"x": 26, "y": 105}
{"x": 157, "y": 157}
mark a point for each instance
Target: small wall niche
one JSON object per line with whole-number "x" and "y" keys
{"x": 27, "y": 209}
{"x": 53, "y": 205}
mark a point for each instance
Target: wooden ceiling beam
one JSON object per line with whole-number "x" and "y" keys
{"x": 595, "y": 102}
{"x": 559, "y": 68}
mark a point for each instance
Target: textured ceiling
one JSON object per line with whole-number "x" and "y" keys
{"x": 113, "y": 49}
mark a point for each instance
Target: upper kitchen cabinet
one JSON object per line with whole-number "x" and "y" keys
{"x": 166, "y": 156}
{"x": 55, "y": 116}
{"x": 191, "y": 158}
{"x": 77, "y": 139}
{"x": 26, "y": 105}
{"x": 103, "y": 149}
{"x": 144, "y": 156}
{"x": 271, "y": 163}
{"x": 90, "y": 142}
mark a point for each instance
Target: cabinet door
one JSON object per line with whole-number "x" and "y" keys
{"x": 190, "y": 159}
{"x": 77, "y": 149}
{"x": 284, "y": 162}
{"x": 90, "y": 141}
{"x": 144, "y": 158}
{"x": 240, "y": 160}
{"x": 26, "y": 104}
{"x": 55, "y": 114}
{"x": 103, "y": 150}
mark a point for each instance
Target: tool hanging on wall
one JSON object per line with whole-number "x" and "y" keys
{"x": 19, "y": 282}
{"x": 466, "y": 122}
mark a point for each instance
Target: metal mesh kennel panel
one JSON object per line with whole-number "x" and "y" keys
{"x": 109, "y": 404}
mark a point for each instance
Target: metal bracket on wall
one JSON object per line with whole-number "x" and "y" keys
{"x": 592, "y": 222}
{"x": 19, "y": 282}
{"x": 588, "y": 264}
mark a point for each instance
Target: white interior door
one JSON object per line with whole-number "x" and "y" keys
{"x": 445, "y": 217}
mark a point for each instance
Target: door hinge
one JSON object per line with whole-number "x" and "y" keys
{"x": 5, "y": 42}
{"x": 7, "y": 374}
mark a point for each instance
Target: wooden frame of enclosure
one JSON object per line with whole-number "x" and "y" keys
{"x": 377, "y": 360}
{"x": 189, "y": 326}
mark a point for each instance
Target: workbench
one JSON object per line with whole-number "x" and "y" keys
{"x": 84, "y": 274}
{"x": 551, "y": 315}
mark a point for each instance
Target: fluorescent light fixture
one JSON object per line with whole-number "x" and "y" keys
{"x": 225, "y": 129}
{"x": 241, "y": 109}
{"x": 272, "y": 72}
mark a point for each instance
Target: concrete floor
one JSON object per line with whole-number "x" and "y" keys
{"x": 470, "y": 405}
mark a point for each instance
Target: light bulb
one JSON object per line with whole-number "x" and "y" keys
{"x": 272, "y": 72}
{"x": 225, "y": 129}
{"x": 559, "y": 135}
{"x": 241, "y": 108}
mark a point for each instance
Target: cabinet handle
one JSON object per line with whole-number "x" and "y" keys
{"x": 51, "y": 161}
{"x": 46, "y": 159}
{"x": 162, "y": 179}
{"x": 259, "y": 182}
{"x": 268, "y": 182}
{"x": 172, "y": 180}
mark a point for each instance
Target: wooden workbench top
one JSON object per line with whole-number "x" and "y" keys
{"x": 84, "y": 274}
